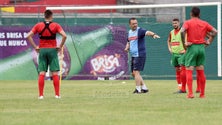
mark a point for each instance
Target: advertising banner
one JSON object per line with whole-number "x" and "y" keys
{"x": 90, "y": 52}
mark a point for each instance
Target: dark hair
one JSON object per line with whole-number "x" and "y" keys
{"x": 133, "y": 18}
{"x": 48, "y": 14}
{"x": 176, "y": 19}
{"x": 195, "y": 12}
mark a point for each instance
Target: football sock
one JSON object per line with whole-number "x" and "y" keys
{"x": 202, "y": 82}
{"x": 198, "y": 81}
{"x": 138, "y": 88}
{"x": 41, "y": 82}
{"x": 178, "y": 77}
{"x": 189, "y": 77}
{"x": 183, "y": 78}
{"x": 144, "y": 87}
{"x": 56, "y": 84}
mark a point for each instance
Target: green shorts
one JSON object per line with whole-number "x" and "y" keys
{"x": 177, "y": 59}
{"x": 48, "y": 57}
{"x": 195, "y": 55}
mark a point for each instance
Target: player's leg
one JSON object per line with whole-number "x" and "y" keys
{"x": 198, "y": 80}
{"x": 200, "y": 70}
{"x": 178, "y": 78}
{"x": 182, "y": 73}
{"x": 42, "y": 68}
{"x": 56, "y": 84}
{"x": 175, "y": 63}
{"x": 189, "y": 79}
{"x": 183, "y": 78}
{"x": 41, "y": 83}
{"x": 198, "y": 83}
{"x": 190, "y": 62}
{"x": 201, "y": 79}
{"x": 54, "y": 68}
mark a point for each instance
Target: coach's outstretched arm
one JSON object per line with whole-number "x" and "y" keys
{"x": 150, "y": 33}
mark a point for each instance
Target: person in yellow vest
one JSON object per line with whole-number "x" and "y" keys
{"x": 177, "y": 50}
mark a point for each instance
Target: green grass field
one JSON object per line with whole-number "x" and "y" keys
{"x": 108, "y": 103}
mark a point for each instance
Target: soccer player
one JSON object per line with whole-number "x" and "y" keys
{"x": 196, "y": 30}
{"x": 47, "y": 50}
{"x": 176, "y": 48}
{"x": 137, "y": 48}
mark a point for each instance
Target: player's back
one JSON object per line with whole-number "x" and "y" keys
{"x": 47, "y": 35}
{"x": 52, "y": 26}
{"x": 196, "y": 30}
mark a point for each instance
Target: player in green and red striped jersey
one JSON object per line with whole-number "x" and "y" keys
{"x": 47, "y": 50}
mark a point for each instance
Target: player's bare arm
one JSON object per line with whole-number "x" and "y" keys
{"x": 154, "y": 35}
{"x": 182, "y": 31}
{"x": 183, "y": 37}
{"x": 63, "y": 34}
{"x": 169, "y": 45}
{"x": 183, "y": 42}
{"x": 30, "y": 39}
{"x": 211, "y": 35}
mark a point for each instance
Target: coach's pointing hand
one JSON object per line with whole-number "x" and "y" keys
{"x": 155, "y": 36}
{"x": 152, "y": 34}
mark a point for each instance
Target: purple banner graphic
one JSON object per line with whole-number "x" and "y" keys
{"x": 12, "y": 40}
{"x": 90, "y": 52}
{"x": 111, "y": 61}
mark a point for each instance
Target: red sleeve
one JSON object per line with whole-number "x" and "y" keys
{"x": 59, "y": 28}
{"x": 209, "y": 27}
{"x": 35, "y": 29}
{"x": 185, "y": 25}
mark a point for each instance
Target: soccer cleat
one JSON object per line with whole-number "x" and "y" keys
{"x": 40, "y": 97}
{"x": 57, "y": 97}
{"x": 202, "y": 96}
{"x": 144, "y": 90}
{"x": 179, "y": 92}
{"x": 136, "y": 92}
{"x": 190, "y": 96}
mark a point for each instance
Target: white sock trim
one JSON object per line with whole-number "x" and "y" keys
{"x": 138, "y": 88}
{"x": 144, "y": 87}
